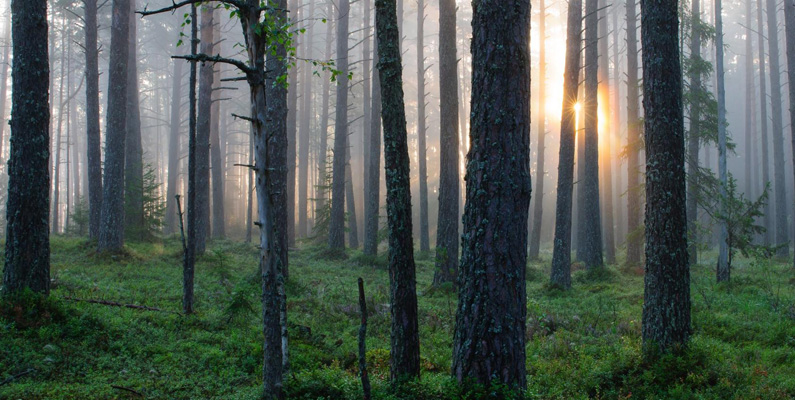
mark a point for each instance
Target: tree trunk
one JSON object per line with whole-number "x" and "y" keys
{"x": 27, "y": 248}
{"x": 250, "y": 188}
{"x": 449, "y": 179}
{"x": 372, "y": 194}
{"x": 4, "y": 84}
{"x": 607, "y": 142}
{"x": 322, "y": 167}
{"x": 93, "y": 143}
{"x": 353, "y": 227}
{"x": 337, "y": 221}
{"x": 217, "y": 154}
{"x": 541, "y": 131}
{"x": 782, "y": 230}
{"x": 634, "y": 144}
{"x": 190, "y": 250}
{"x": 304, "y": 132}
{"x": 616, "y": 124}
{"x": 749, "y": 101}
{"x": 425, "y": 241}
{"x": 133, "y": 159}
{"x": 666, "y": 307}
{"x": 590, "y": 250}
{"x": 789, "y": 22}
{"x": 768, "y": 211}
{"x": 405, "y": 344}
{"x": 561, "y": 256}
{"x": 111, "y": 233}
{"x": 174, "y": 149}
{"x": 694, "y": 135}
{"x": 292, "y": 114}
{"x": 203, "y": 127}
{"x": 723, "y": 273}
{"x": 489, "y": 341}
{"x": 56, "y": 185}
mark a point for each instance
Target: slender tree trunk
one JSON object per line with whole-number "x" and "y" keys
{"x": 789, "y": 21}
{"x": 68, "y": 143}
{"x": 250, "y": 188}
{"x": 634, "y": 144}
{"x": 405, "y": 344}
{"x": 4, "y": 84}
{"x": 56, "y": 186}
{"x": 203, "y": 128}
{"x": 190, "y": 250}
{"x": 217, "y": 154}
{"x": 353, "y": 227}
{"x": 93, "y": 143}
{"x": 324, "y": 114}
{"x": 449, "y": 176}
{"x": 591, "y": 248}
{"x": 111, "y": 233}
{"x": 27, "y": 248}
{"x": 538, "y": 205}
{"x": 666, "y": 307}
{"x": 749, "y": 100}
{"x": 489, "y": 341}
{"x": 694, "y": 135}
{"x": 425, "y": 241}
{"x": 133, "y": 159}
{"x": 616, "y": 124}
{"x": 292, "y": 115}
{"x": 373, "y": 175}
{"x": 763, "y": 117}
{"x": 561, "y": 256}
{"x": 607, "y": 157}
{"x": 337, "y": 221}
{"x": 304, "y": 132}
{"x": 782, "y": 230}
{"x": 723, "y": 274}
{"x": 174, "y": 149}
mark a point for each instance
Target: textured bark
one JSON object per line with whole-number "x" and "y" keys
{"x": 666, "y": 307}
{"x": 723, "y": 273}
{"x": 789, "y": 21}
{"x": 27, "y": 248}
{"x": 489, "y": 341}
{"x": 634, "y": 218}
{"x": 203, "y": 128}
{"x": 405, "y": 343}
{"x": 372, "y": 194}
{"x": 541, "y": 131}
{"x": 779, "y": 184}
{"x": 337, "y": 222}
{"x": 111, "y": 232}
{"x": 93, "y": 143}
{"x": 425, "y": 241}
{"x": 606, "y": 166}
{"x": 449, "y": 177}
{"x": 190, "y": 248}
{"x": 133, "y": 158}
{"x": 763, "y": 117}
{"x": 304, "y": 132}
{"x": 693, "y": 136}
{"x": 174, "y": 149}
{"x": 561, "y": 256}
{"x": 589, "y": 250}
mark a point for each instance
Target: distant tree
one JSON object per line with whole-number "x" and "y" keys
{"x": 541, "y": 131}
{"x": 723, "y": 240}
{"x": 561, "y": 256}
{"x": 763, "y": 117}
{"x": 634, "y": 143}
{"x": 695, "y": 67}
{"x": 4, "y": 82}
{"x": 405, "y": 343}
{"x": 373, "y": 185}
{"x": 606, "y": 164}
{"x": 304, "y": 132}
{"x": 94, "y": 156}
{"x": 789, "y": 22}
{"x": 489, "y": 341}
{"x": 27, "y": 248}
{"x": 133, "y": 158}
{"x": 203, "y": 128}
{"x": 337, "y": 223}
{"x": 666, "y": 307}
{"x": 171, "y": 224}
{"x": 422, "y": 157}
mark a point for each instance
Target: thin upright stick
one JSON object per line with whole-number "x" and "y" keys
{"x": 362, "y": 346}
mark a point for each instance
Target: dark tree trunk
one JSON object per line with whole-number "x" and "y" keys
{"x": 607, "y": 158}
{"x": 203, "y": 128}
{"x": 111, "y": 232}
{"x": 133, "y": 159}
{"x": 425, "y": 241}
{"x": 489, "y": 341}
{"x": 304, "y": 132}
{"x": 190, "y": 250}
{"x": 561, "y": 256}
{"x": 353, "y": 227}
{"x": 337, "y": 221}
{"x": 93, "y": 143}
{"x": 694, "y": 135}
{"x": 27, "y": 249}
{"x": 405, "y": 346}
{"x": 449, "y": 180}
{"x": 634, "y": 217}
{"x": 372, "y": 193}
{"x": 779, "y": 184}
{"x": 541, "y": 131}
{"x": 171, "y": 225}
{"x": 250, "y": 188}
{"x": 666, "y": 307}
{"x": 789, "y": 21}
{"x": 763, "y": 117}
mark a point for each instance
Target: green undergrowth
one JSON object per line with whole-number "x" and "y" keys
{"x": 582, "y": 343}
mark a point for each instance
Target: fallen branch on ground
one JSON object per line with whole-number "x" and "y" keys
{"x": 115, "y": 304}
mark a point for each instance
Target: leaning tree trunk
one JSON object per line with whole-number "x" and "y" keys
{"x": 538, "y": 205}
{"x": 492, "y": 304}
{"x": 449, "y": 180}
{"x": 405, "y": 344}
{"x": 174, "y": 150}
{"x": 634, "y": 144}
{"x": 111, "y": 230}
{"x": 27, "y": 249}
{"x": 607, "y": 157}
{"x": 561, "y": 256}
{"x": 763, "y": 117}
{"x": 666, "y": 307}
{"x": 425, "y": 241}
{"x": 93, "y": 143}
{"x": 694, "y": 134}
{"x": 782, "y": 234}
{"x": 789, "y": 22}
{"x": 133, "y": 158}
{"x": 723, "y": 273}
{"x": 203, "y": 127}
{"x": 590, "y": 249}
{"x": 336, "y": 237}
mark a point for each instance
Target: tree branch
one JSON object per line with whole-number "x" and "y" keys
{"x": 217, "y": 59}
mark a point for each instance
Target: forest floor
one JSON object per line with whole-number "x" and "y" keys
{"x": 584, "y": 343}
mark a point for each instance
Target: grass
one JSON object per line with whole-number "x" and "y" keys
{"x": 584, "y": 343}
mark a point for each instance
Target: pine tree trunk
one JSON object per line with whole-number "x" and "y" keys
{"x": 666, "y": 307}
{"x": 789, "y": 22}
{"x": 694, "y": 135}
{"x": 292, "y": 115}
{"x": 324, "y": 114}
{"x": 763, "y": 117}
{"x": 372, "y": 194}
{"x": 779, "y": 184}
{"x": 172, "y": 225}
{"x": 111, "y": 232}
{"x": 634, "y": 217}
{"x": 133, "y": 158}
{"x": 449, "y": 180}
{"x": 304, "y": 132}
{"x": 607, "y": 158}
{"x": 405, "y": 343}
{"x": 353, "y": 226}
{"x": 203, "y": 127}
{"x": 749, "y": 100}
{"x": 190, "y": 250}
{"x": 538, "y": 200}
{"x": 337, "y": 219}
{"x": 561, "y": 256}
{"x": 425, "y": 241}
{"x": 56, "y": 184}
{"x": 489, "y": 341}
{"x": 4, "y": 84}
{"x": 27, "y": 248}
{"x": 723, "y": 273}
{"x": 93, "y": 143}
{"x": 217, "y": 154}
